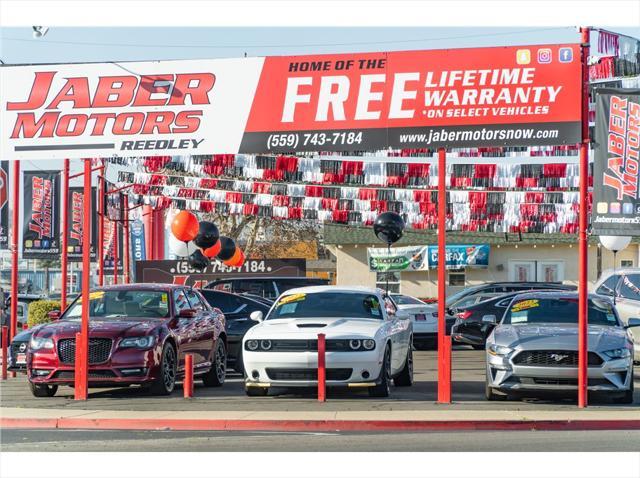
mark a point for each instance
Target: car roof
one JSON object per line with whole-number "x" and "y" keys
{"x": 620, "y": 270}
{"x": 557, "y": 295}
{"x": 224, "y": 279}
{"x": 315, "y": 289}
{"x": 143, "y": 286}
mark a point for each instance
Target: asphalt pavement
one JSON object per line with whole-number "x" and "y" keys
{"x": 467, "y": 393}
{"x": 228, "y": 441}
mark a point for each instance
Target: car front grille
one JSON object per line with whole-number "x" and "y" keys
{"x": 99, "y": 350}
{"x": 297, "y": 345}
{"x": 15, "y": 347}
{"x": 305, "y": 374}
{"x": 70, "y": 374}
{"x": 553, "y": 358}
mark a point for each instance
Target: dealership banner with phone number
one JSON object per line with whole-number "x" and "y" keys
{"x": 516, "y": 95}
{"x": 616, "y": 169}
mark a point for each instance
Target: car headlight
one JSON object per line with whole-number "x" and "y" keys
{"x": 618, "y": 353}
{"x": 251, "y": 345}
{"x": 137, "y": 342}
{"x": 369, "y": 344}
{"x": 265, "y": 344}
{"x": 499, "y": 350}
{"x": 354, "y": 344}
{"x": 38, "y": 343}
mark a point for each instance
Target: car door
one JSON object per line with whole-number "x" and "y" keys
{"x": 185, "y": 328}
{"x": 204, "y": 330}
{"x": 399, "y": 332}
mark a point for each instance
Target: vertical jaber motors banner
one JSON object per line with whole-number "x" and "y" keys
{"x": 4, "y": 205}
{"x": 616, "y": 198}
{"x": 75, "y": 227}
{"x": 41, "y": 221}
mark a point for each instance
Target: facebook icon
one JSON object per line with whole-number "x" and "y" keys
{"x": 565, "y": 55}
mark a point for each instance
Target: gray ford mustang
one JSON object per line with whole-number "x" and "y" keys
{"x": 535, "y": 347}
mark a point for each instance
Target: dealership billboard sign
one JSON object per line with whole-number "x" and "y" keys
{"x": 346, "y": 102}
{"x": 180, "y": 272}
{"x": 616, "y": 196}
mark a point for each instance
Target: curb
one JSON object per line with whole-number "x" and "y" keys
{"x": 313, "y": 425}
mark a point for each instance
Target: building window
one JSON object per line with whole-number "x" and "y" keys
{"x": 457, "y": 277}
{"x": 392, "y": 277}
{"x": 626, "y": 263}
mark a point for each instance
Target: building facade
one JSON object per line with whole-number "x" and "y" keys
{"x": 526, "y": 257}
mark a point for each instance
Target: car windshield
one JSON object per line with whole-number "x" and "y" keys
{"x": 537, "y": 310}
{"x": 406, "y": 300}
{"x": 458, "y": 295}
{"x": 327, "y": 304}
{"x": 115, "y": 304}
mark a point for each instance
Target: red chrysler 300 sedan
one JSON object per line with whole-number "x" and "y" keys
{"x": 138, "y": 334}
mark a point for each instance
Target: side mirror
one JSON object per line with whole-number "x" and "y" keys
{"x": 54, "y": 315}
{"x": 188, "y": 313}
{"x": 489, "y": 319}
{"x": 633, "y": 323}
{"x": 256, "y": 316}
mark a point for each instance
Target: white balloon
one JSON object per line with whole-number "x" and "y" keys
{"x": 615, "y": 243}
{"x": 180, "y": 248}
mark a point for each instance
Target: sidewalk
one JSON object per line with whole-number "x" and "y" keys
{"x": 401, "y": 420}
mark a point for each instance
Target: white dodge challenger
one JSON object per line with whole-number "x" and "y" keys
{"x": 368, "y": 341}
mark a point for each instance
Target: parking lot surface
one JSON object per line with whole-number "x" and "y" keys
{"x": 468, "y": 394}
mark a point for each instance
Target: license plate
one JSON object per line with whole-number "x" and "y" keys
{"x": 421, "y": 317}
{"x": 21, "y": 358}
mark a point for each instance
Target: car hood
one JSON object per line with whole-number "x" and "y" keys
{"x": 310, "y": 328}
{"x": 562, "y": 337}
{"x": 102, "y": 327}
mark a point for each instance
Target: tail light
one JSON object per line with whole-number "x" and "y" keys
{"x": 464, "y": 315}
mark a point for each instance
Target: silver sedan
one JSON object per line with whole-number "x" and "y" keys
{"x": 535, "y": 347}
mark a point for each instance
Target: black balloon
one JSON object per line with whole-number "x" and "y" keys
{"x": 227, "y": 248}
{"x": 208, "y": 235}
{"x": 388, "y": 227}
{"x": 198, "y": 260}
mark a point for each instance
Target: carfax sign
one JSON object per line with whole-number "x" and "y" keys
{"x": 527, "y": 95}
{"x": 421, "y": 258}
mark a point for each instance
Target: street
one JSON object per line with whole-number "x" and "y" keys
{"x": 176, "y": 441}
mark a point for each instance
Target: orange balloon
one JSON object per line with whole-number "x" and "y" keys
{"x": 236, "y": 260}
{"x": 212, "y": 251}
{"x": 185, "y": 226}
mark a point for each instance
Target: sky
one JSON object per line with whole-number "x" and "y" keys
{"x": 74, "y": 44}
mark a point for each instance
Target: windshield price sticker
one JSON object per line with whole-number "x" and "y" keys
{"x": 292, "y": 298}
{"x": 525, "y": 304}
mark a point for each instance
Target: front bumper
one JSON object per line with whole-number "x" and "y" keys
{"x": 124, "y": 367}
{"x": 504, "y": 375}
{"x": 299, "y": 369}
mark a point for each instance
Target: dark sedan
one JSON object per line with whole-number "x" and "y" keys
{"x": 237, "y": 309}
{"x": 138, "y": 334}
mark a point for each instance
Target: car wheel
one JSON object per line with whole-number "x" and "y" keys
{"x": 166, "y": 382}
{"x": 215, "y": 376}
{"x": 383, "y": 389}
{"x": 41, "y": 391}
{"x": 256, "y": 391}
{"x": 405, "y": 379}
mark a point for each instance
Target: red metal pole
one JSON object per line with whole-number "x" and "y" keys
{"x": 444, "y": 351}
{"x": 5, "y": 352}
{"x": 65, "y": 237}
{"x": 100, "y": 251}
{"x": 322, "y": 372}
{"x": 82, "y": 365}
{"x": 188, "y": 376}
{"x": 582, "y": 239}
{"x": 15, "y": 227}
{"x": 125, "y": 233}
{"x": 116, "y": 245}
